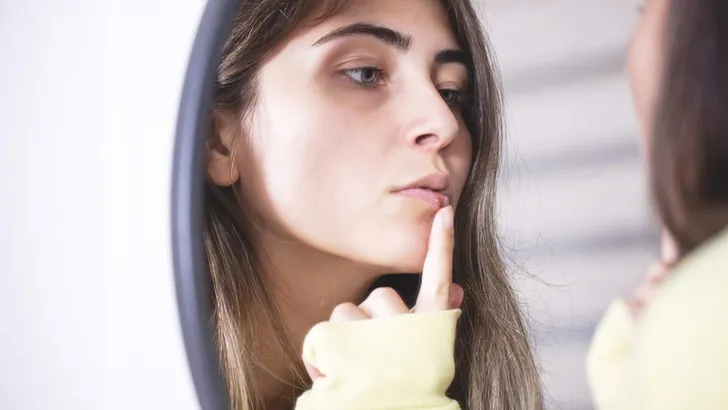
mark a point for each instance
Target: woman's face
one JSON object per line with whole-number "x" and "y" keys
{"x": 349, "y": 112}
{"x": 645, "y": 63}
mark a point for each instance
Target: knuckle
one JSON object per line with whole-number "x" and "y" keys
{"x": 382, "y": 294}
{"x": 344, "y": 310}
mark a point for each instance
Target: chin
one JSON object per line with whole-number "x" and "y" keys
{"x": 405, "y": 251}
{"x": 395, "y": 244}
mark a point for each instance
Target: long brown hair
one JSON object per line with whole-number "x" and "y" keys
{"x": 495, "y": 367}
{"x": 690, "y": 142}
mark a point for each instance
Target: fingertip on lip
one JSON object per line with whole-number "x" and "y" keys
{"x": 436, "y": 199}
{"x": 443, "y": 202}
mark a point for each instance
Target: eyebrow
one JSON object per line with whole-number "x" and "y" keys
{"x": 388, "y": 36}
{"x": 393, "y": 38}
{"x": 453, "y": 56}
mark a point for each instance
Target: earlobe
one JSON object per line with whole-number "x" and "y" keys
{"x": 220, "y": 150}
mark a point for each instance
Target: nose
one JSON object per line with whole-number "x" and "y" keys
{"x": 429, "y": 123}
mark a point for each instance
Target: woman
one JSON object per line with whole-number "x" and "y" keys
{"x": 340, "y": 129}
{"x": 667, "y": 348}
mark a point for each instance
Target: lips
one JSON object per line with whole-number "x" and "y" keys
{"x": 436, "y": 199}
{"x": 431, "y": 189}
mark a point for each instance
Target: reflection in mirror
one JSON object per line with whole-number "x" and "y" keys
{"x": 339, "y": 128}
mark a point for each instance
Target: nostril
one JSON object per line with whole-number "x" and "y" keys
{"x": 424, "y": 140}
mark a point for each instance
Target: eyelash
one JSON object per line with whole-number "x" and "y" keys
{"x": 460, "y": 97}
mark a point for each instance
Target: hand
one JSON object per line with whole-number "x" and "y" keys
{"x": 656, "y": 274}
{"x": 437, "y": 292}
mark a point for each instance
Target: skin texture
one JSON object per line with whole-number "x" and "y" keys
{"x": 326, "y": 144}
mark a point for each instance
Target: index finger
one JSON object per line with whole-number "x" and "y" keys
{"x": 437, "y": 271}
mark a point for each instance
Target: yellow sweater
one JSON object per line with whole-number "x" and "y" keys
{"x": 677, "y": 356}
{"x": 676, "y": 359}
{"x": 404, "y": 362}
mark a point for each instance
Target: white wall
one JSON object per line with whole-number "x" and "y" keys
{"x": 88, "y": 101}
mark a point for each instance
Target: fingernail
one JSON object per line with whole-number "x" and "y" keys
{"x": 456, "y": 296}
{"x": 447, "y": 218}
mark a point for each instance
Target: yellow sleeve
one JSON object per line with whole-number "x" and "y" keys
{"x": 682, "y": 352}
{"x": 679, "y": 359}
{"x": 405, "y": 362}
{"x": 609, "y": 359}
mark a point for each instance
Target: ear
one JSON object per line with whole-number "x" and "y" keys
{"x": 221, "y": 147}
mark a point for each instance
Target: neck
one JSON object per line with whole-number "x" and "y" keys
{"x": 307, "y": 285}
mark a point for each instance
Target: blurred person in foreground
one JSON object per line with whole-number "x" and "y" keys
{"x": 666, "y": 347}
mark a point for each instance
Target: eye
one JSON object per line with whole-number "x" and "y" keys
{"x": 366, "y": 76}
{"x": 453, "y": 98}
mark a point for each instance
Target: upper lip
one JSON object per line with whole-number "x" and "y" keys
{"x": 437, "y": 182}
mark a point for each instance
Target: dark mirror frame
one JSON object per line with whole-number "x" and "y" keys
{"x": 192, "y": 280}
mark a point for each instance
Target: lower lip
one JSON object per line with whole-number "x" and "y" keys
{"x": 434, "y": 198}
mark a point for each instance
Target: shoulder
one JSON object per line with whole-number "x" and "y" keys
{"x": 696, "y": 291}
{"x": 682, "y": 353}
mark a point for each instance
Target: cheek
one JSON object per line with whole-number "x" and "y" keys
{"x": 317, "y": 171}
{"x": 644, "y": 69}
{"x": 459, "y": 158}
{"x": 638, "y": 71}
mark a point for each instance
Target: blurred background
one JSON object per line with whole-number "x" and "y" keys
{"x": 577, "y": 227}
{"x": 575, "y": 215}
